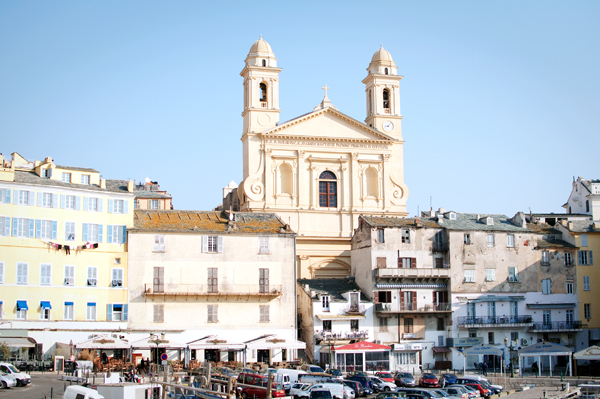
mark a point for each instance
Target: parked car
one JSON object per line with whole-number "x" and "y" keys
{"x": 457, "y": 392}
{"x": 404, "y": 380}
{"x": 258, "y": 388}
{"x": 313, "y": 368}
{"x": 320, "y": 394}
{"x": 473, "y": 393}
{"x": 22, "y": 378}
{"x": 486, "y": 383}
{"x": 298, "y": 387}
{"x": 336, "y": 390}
{"x": 449, "y": 378}
{"x": 428, "y": 393}
{"x": 335, "y": 373}
{"x": 348, "y": 392}
{"x": 356, "y": 386}
{"x": 7, "y": 381}
{"x": 429, "y": 380}
{"x": 365, "y": 381}
{"x": 382, "y": 385}
{"x": 483, "y": 392}
{"x": 446, "y": 395}
{"x": 385, "y": 375}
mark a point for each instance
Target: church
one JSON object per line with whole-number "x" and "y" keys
{"x": 321, "y": 170}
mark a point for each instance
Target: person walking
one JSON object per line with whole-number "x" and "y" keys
{"x": 485, "y": 367}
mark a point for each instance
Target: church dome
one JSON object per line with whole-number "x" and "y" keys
{"x": 261, "y": 55}
{"x": 261, "y": 46}
{"x": 380, "y": 55}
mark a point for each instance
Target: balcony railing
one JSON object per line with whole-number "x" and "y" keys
{"x": 210, "y": 290}
{"x": 556, "y": 326}
{"x": 500, "y": 321}
{"x": 415, "y": 272}
{"x": 355, "y": 309}
{"x": 413, "y": 307}
{"x": 339, "y": 335}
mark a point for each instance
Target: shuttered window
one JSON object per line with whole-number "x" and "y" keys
{"x": 407, "y": 263}
{"x": 159, "y": 313}
{"x": 158, "y": 284}
{"x": 22, "y": 273}
{"x": 381, "y": 263}
{"x": 213, "y": 315}
{"x": 69, "y": 275}
{"x": 263, "y": 245}
{"x": 159, "y": 243}
{"x": 213, "y": 279}
{"x": 92, "y": 276}
{"x": 45, "y": 274}
{"x": 264, "y": 313}
{"x": 263, "y": 281}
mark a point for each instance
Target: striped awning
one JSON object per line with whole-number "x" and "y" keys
{"x": 410, "y": 285}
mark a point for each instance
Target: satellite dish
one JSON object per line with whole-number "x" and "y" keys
{"x": 147, "y": 180}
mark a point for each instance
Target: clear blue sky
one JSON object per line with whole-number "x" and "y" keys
{"x": 500, "y": 99}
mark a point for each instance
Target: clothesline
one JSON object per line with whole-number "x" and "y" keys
{"x": 68, "y": 248}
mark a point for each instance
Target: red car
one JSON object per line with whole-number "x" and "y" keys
{"x": 258, "y": 389}
{"x": 384, "y": 375}
{"x": 429, "y": 380}
{"x": 484, "y": 393}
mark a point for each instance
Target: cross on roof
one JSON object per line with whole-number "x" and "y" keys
{"x": 325, "y": 88}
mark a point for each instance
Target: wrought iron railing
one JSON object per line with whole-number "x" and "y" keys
{"x": 556, "y": 325}
{"x": 499, "y": 320}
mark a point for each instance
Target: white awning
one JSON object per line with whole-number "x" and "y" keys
{"x": 17, "y": 342}
{"x": 103, "y": 342}
{"x": 591, "y": 353}
{"x": 274, "y": 342}
{"x": 163, "y": 343}
{"x": 215, "y": 342}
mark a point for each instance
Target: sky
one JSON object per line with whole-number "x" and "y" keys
{"x": 500, "y": 99}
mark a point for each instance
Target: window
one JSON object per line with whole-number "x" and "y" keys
{"x": 439, "y": 263}
{"x": 23, "y": 227}
{"x": 406, "y": 236}
{"x": 381, "y": 263}
{"x": 545, "y": 258}
{"x": 22, "y": 197}
{"x": 263, "y": 245}
{"x": 116, "y": 312}
{"x": 117, "y": 206}
{"x": 546, "y": 319}
{"x": 21, "y": 309}
{"x": 69, "y": 311}
{"x": 286, "y": 179}
{"x": 212, "y": 244}
{"x": 117, "y": 277}
{"x": 69, "y": 275}
{"x": 158, "y": 281}
{"x": 354, "y": 325}
{"x": 22, "y": 273}
{"x": 546, "y": 286}
{"x": 570, "y": 288}
{"x": 383, "y": 296}
{"x": 44, "y": 229}
{"x": 569, "y": 316}
{"x": 153, "y": 204}
{"x": 4, "y": 226}
{"x": 92, "y": 204}
{"x": 46, "y": 200}
{"x": 513, "y": 276}
{"x": 117, "y": 234}
{"x": 491, "y": 338}
{"x": 47, "y": 173}
{"x": 510, "y": 240}
{"x": 587, "y": 311}
{"x": 213, "y": 279}
{"x": 514, "y": 337}
{"x": 584, "y": 258}
{"x": 4, "y": 196}
{"x": 371, "y": 182}
{"x": 45, "y": 309}
{"x": 386, "y": 100}
{"x": 326, "y": 325}
{"x": 70, "y": 201}
{"x": 354, "y": 301}
{"x": 490, "y": 274}
{"x": 264, "y": 313}
{"x": 491, "y": 308}
{"x": 325, "y": 303}
{"x": 70, "y": 231}
{"x": 136, "y": 204}
{"x": 381, "y": 235}
{"x": 584, "y": 240}
{"x": 408, "y": 325}
{"x": 327, "y": 190}
{"x": 1, "y": 278}
{"x": 568, "y": 259}
{"x": 66, "y": 177}
{"x": 472, "y": 333}
{"x": 159, "y": 243}
{"x": 469, "y": 276}
{"x": 586, "y": 283}
{"x": 514, "y": 310}
{"x": 263, "y": 281}
{"x": 45, "y": 274}
{"x": 159, "y": 313}
{"x": 383, "y": 324}
{"x": 407, "y": 263}
{"x": 93, "y": 232}
{"x": 92, "y": 276}
{"x": 491, "y": 242}
{"x": 213, "y": 313}
{"x": 441, "y": 324}
{"x": 263, "y": 93}
{"x": 91, "y": 311}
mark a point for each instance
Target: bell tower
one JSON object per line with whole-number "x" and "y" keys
{"x": 383, "y": 94}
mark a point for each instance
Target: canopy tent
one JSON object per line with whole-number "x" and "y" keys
{"x": 17, "y": 342}
{"x": 481, "y": 349}
{"x": 546, "y": 349}
{"x": 161, "y": 343}
{"x": 272, "y": 341}
{"x": 103, "y": 342}
{"x": 591, "y": 353}
{"x": 215, "y": 342}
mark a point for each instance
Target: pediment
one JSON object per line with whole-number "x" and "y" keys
{"x": 328, "y": 124}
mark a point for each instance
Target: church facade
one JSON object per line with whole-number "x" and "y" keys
{"x": 321, "y": 170}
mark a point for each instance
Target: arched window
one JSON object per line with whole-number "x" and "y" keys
{"x": 263, "y": 93}
{"x": 386, "y": 71}
{"x": 285, "y": 179}
{"x": 587, "y": 206}
{"x": 386, "y": 99}
{"x": 371, "y": 186}
{"x": 265, "y": 64}
{"x": 327, "y": 190}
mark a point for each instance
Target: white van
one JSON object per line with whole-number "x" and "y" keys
{"x": 337, "y": 390}
{"x": 79, "y": 392}
{"x": 282, "y": 378}
{"x": 314, "y": 378}
{"x": 22, "y": 378}
{"x": 293, "y": 375}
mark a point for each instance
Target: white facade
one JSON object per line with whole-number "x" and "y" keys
{"x": 584, "y": 198}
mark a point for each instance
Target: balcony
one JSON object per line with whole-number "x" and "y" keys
{"x": 425, "y": 274}
{"x": 355, "y": 309}
{"x": 341, "y": 335}
{"x": 556, "y": 326}
{"x": 494, "y": 322}
{"x": 439, "y": 246}
{"x": 222, "y": 291}
{"x": 441, "y": 307}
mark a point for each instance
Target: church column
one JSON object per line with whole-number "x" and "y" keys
{"x": 314, "y": 187}
{"x": 386, "y": 181}
{"x": 343, "y": 186}
{"x": 269, "y": 179}
{"x": 355, "y": 183}
{"x": 302, "y": 194}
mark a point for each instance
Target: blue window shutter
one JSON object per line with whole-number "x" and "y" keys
{"x": 38, "y": 228}
{"x": 54, "y": 200}
{"x": 62, "y": 201}
{"x": 6, "y": 227}
{"x": 39, "y": 198}
{"x": 110, "y": 206}
{"x": 125, "y": 311}
{"x": 54, "y": 229}
{"x": 220, "y": 244}
{"x": 100, "y": 204}
{"x": 109, "y": 234}
{"x": 125, "y": 206}
{"x": 8, "y": 195}
{"x": 590, "y": 258}
{"x": 86, "y": 203}
{"x": 85, "y": 232}
{"x": 100, "y": 232}
{"x": 109, "y": 312}
{"x": 15, "y": 225}
{"x": 16, "y": 197}
{"x": 78, "y": 203}
{"x": 31, "y": 198}
{"x": 124, "y": 239}
{"x": 579, "y": 257}
{"x": 31, "y": 227}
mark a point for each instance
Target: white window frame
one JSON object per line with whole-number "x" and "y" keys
{"x": 70, "y": 231}
{"x": 568, "y": 258}
{"x": 587, "y": 311}
{"x": 470, "y": 276}
{"x": 159, "y": 242}
{"x": 23, "y": 227}
{"x": 381, "y": 235}
{"x": 586, "y": 283}
{"x": 263, "y": 245}
{"x": 45, "y": 229}
{"x": 467, "y": 238}
{"x": 23, "y": 197}
{"x": 90, "y": 311}
{"x": 1, "y": 276}
{"x": 264, "y": 314}
{"x": 69, "y": 275}
{"x": 545, "y": 258}
{"x": 70, "y": 202}
{"x": 118, "y": 206}
{"x": 121, "y": 313}
{"x": 47, "y": 173}
{"x": 3, "y": 220}
{"x": 513, "y": 277}
{"x": 546, "y": 286}
{"x": 93, "y": 232}
{"x": 46, "y": 200}
{"x": 510, "y": 240}
{"x": 66, "y": 177}
{"x": 44, "y": 313}
{"x": 158, "y": 313}
{"x": 325, "y": 303}
{"x": 212, "y": 313}
{"x": 490, "y": 274}
{"x": 92, "y": 276}
{"x": 153, "y": 204}
{"x": 93, "y": 204}
{"x": 22, "y": 279}
{"x": 46, "y": 277}
{"x": 212, "y": 244}
{"x": 491, "y": 240}
{"x": 570, "y": 288}
{"x": 69, "y": 311}
{"x": 117, "y": 276}
{"x": 85, "y": 179}
{"x": 21, "y": 314}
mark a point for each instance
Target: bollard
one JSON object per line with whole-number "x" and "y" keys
{"x": 51, "y": 392}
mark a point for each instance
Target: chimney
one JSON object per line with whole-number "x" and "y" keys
{"x": 130, "y": 186}
{"x": 102, "y": 183}
{"x": 570, "y": 225}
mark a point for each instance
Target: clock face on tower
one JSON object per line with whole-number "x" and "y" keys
{"x": 388, "y": 126}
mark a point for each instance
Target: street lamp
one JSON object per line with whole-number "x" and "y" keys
{"x": 155, "y": 339}
{"x": 510, "y": 349}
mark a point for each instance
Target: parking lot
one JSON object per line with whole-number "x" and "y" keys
{"x": 46, "y": 385}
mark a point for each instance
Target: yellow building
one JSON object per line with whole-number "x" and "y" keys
{"x": 63, "y": 252}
